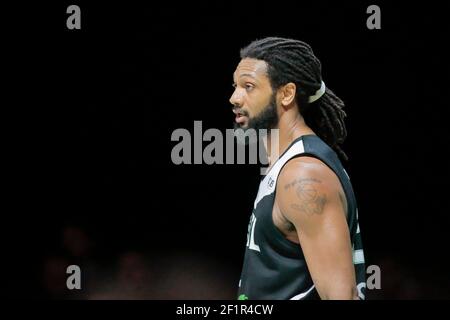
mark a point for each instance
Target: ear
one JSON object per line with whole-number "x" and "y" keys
{"x": 287, "y": 94}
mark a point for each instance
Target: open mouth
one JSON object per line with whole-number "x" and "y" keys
{"x": 240, "y": 116}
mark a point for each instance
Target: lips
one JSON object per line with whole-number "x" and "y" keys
{"x": 240, "y": 116}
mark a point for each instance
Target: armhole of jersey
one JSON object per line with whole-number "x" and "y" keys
{"x": 277, "y": 232}
{"x": 281, "y": 237}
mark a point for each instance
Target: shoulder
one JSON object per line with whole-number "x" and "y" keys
{"x": 306, "y": 187}
{"x": 307, "y": 170}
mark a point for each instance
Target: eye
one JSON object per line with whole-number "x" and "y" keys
{"x": 249, "y": 86}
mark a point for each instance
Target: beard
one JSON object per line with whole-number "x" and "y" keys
{"x": 267, "y": 119}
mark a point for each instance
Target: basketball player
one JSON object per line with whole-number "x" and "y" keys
{"x": 303, "y": 238}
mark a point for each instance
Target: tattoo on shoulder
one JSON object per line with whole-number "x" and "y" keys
{"x": 310, "y": 200}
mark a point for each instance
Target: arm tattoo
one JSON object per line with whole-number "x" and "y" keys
{"x": 310, "y": 201}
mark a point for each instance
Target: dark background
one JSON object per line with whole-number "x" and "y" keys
{"x": 90, "y": 179}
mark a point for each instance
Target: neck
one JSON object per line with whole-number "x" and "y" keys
{"x": 291, "y": 126}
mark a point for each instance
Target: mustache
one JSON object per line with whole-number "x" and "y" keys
{"x": 239, "y": 110}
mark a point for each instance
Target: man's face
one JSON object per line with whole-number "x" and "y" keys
{"x": 253, "y": 99}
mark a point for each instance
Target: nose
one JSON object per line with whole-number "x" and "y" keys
{"x": 236, "y": 98}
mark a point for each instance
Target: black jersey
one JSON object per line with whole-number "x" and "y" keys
{"x": 274, "y": 267}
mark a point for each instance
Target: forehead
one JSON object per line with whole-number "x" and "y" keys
{"x": 251, "y": 67}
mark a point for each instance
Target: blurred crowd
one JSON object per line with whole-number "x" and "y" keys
{"x": 133, "y": 274}
{"x": 187, "y": 275}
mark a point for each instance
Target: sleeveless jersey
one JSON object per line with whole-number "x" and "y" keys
{"x": 274, "y": 267}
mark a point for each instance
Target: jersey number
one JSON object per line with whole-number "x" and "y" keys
{"x": 251, "y": 234}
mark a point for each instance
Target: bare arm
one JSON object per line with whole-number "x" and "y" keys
{"x": 310, "y": 196}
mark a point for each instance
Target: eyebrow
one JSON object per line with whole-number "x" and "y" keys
{"x": 247, "y": 75}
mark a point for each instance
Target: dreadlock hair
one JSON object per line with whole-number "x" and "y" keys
{"x": 293, "y": 61}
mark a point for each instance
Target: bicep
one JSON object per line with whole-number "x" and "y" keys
{"x": 315, "y": 209}
{"x": 327, "y": 249}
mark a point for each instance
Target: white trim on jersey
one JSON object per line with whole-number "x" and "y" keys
{"x": 302, "y": 295}
{"x": 268, "y": 184}
{"x": 358, "y": 256}
{"x": 346, "y": 173}
{"x": 359, "y": 287}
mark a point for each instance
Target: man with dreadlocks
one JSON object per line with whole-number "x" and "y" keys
{"x": 303, "y": 238}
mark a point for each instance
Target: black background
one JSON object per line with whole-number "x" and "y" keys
{"x": 89, "y": 130}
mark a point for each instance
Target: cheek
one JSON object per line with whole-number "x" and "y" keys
{"x": 259, "y": 105}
